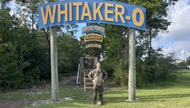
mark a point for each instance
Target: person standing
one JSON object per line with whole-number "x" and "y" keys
{"x": 98, "y": 76}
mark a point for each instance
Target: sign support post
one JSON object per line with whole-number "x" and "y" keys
{"x": 54, "y": 67}
{"x": 132, "y": 66}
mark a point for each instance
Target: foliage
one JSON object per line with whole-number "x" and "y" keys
{"x": 155, "y": 69}
{"x": 151, "y": 65}
{"x": 120, "y": 72}
{"x": 115, "y": 41}
{"x": 21, "y": 61}
{"x": 115, "y": 47}
{"x": 156, "y": 12}
{"x": 25, "y": 50}
{"x": 69, "y": 52}
{"x": 182, "y": 65}
{"x": 188, "y": 60}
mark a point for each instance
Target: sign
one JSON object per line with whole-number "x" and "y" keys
{"x": 91, "y": 11}
{"x": 93, "y": 37}
{"x": 93, "y": 45}
{"x": 91, "y": 29}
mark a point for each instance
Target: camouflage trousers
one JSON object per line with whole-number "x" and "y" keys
{"x": 98, "y": 90}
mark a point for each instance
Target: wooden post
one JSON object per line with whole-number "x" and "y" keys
{"x": 132, "y": 66}
{"x": 54, "y": 67}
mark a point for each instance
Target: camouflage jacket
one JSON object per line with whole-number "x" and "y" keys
{"x": 98, "y": 76}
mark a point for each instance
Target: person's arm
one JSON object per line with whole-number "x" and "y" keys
{"x": 91, "y": 74}
{"x": 105, "y": 75}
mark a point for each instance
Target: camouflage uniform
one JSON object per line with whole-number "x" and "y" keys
{"x": 98, "y": 77}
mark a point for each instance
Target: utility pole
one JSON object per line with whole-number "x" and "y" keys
{"x": 132, "y": 66}
{"x": 54, "y": 67}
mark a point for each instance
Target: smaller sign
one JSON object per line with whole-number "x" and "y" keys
{"x": 92, "y": 29}
{"x": 93, "y": 45}
{"x": 93, "y": 38}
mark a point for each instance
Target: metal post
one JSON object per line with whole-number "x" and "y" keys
{"x": 132, "y": 66}
{"x": 54, "y": 67}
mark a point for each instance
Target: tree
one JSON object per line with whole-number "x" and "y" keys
{"x": 117, "y": 37}
{"x": 21, "y": 61}
{"x": 155, "y": 20}
{"x": 115, "y": 46}
{"x": 69, "y": 52}
{"x": 188, "y": 60}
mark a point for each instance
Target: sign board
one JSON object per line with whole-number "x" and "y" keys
{"x": 92, "y": 29}
{"x": 93, "y": 45}
{"x": 91, "y": 11}
{"x": 93, "y": 37}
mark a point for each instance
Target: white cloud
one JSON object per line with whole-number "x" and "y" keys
{"x": 180, "y": 17}
{"x": 179, "y": 30}
{"x": 12, "y": 5}
{"x": 156, "y": 43}
{"x": 176, "y": 48}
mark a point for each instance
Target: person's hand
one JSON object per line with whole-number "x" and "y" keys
{"x": 93, "y": 81}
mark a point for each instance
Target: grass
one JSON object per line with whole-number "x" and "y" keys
{"x": 170, "y": 95}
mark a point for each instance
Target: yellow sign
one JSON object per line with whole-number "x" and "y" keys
{"x": 93, "y": 38}
{"x": 93, "y": 46}
{"x": 94, "y": 28}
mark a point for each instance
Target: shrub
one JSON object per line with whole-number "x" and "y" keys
{"x": 120, "y": 71}
{"x": 155, "y": 69}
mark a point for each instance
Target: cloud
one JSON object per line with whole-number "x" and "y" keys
{"x": 179, "y": 16}
{"x": 178, "y": 37}
{"x": 12, "y": 5}
{"x": 176, "y": 48}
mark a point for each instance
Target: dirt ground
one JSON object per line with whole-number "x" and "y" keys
{"x": 13, "y": 103}
{"x": 24, "y": 103}
{"x": 8, "y": 103}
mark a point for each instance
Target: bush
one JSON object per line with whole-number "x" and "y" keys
{"x": 108, "y": 65}
{"x": 120, "y": 71}
{"x": 155, "y": 69}
{"x": 117, "y": 69}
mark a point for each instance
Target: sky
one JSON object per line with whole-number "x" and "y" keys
{"x": 178, "y": 37}
{"x": 175, "y": 40}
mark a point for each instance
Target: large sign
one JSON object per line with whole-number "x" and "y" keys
{"x": 91, "y": 11}
{"x": 91, "y": 29}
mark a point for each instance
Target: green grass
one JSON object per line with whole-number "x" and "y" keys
{"x": 163, "y": 95}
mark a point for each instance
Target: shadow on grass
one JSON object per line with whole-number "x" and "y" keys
{"x": 150, "y": 98}
{"x": 165, "y": 96}
{"x": 122, "y": 99}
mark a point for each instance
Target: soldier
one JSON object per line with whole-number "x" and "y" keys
{"x": 98, "y": 76}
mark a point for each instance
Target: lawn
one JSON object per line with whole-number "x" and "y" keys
{"x": 163, "y": 95}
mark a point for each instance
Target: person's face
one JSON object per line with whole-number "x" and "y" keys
{"x": 98, "y": 65}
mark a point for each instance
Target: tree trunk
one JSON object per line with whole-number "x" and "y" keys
{"x": 150, "y": 43}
